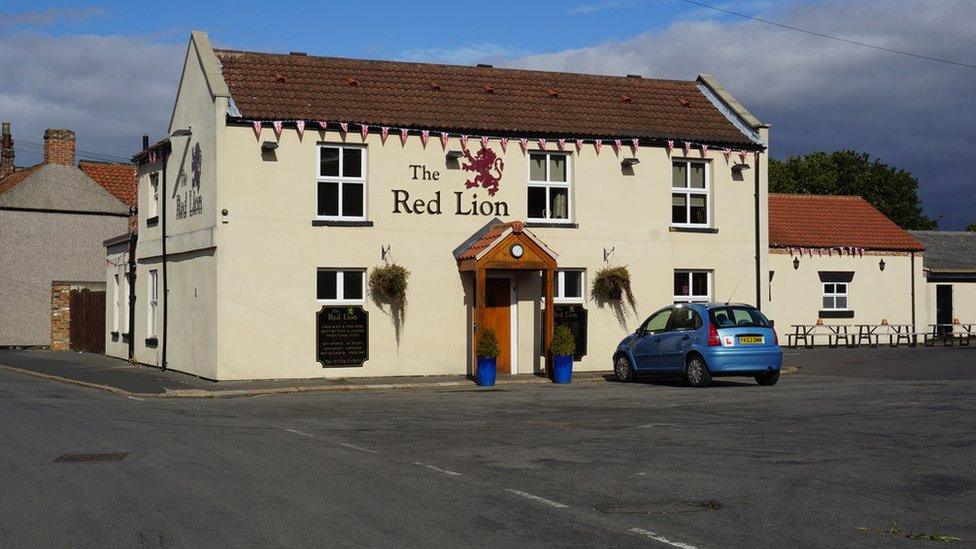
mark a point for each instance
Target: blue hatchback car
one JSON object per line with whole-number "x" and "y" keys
{"x": 702, "y": 341}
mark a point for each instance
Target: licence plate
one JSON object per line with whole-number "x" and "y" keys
{"x": 750, "y": 340}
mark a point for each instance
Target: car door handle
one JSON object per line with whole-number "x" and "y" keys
{"x": 657, "y": 339}
{"x": 686, "y": 337}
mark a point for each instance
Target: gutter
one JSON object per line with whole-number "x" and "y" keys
{"x": 758, "y": 233}
{"x": 162, "y": 193}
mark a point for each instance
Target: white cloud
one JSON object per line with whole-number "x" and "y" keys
{"x": 460, "y": 55}
{"x": 108, "y": 89}
{"x": 818, "y": 94}
{"x": 602, "y": 6}
{"x": 39, "y": 18}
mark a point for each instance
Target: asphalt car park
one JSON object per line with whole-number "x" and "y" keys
{"x": 858, "y": 447}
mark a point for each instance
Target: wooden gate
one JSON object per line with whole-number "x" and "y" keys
{"x": 87, "y": 324}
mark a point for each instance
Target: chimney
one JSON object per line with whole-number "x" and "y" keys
{"x": 6, "y": 151}
{"x": 59, "y": 147}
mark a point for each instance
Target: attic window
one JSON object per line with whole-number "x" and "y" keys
{"x": 488, "y": 88}
{"x": 279, "y": 77}
{"x": 625, "y": 98}
{"x": 552, "y": 92}
{"x": 352, "y": 81}
{"x": 435, "y": 86}
{"x": 684, "y": 102}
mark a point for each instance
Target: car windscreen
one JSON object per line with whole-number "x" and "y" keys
{"x": 737, "y": 317}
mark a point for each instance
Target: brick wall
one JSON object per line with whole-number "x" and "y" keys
{"x": 59, "y": 147}
{"x": 60, "y": 316}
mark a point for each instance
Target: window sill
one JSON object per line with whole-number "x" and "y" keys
{"x": 550, "y": 225}
{"x": 705, "y": 230}
{"x": 152, "y": 342}
{"x": 835, "y": 314}
{"x": 341, "y": 303}
{"x": 152, "y": 221}
{"x": 340, "y": 223}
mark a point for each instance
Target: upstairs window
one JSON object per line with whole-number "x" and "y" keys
{"x": 341, "y": 193}
{"x": 153, "y": 195}
{"x": 835, "y": 296}
{"x": 549, "y": 183}
{"x": 690, "y": 194}
{"x": 692, "y": 286}
{"x": 340, "y": 286}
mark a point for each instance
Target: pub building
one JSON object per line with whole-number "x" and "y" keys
{"x": 286, "y": 180}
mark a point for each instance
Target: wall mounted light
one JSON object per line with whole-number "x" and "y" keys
{"x": 881, "y": 264}
{"x": 182, "y": 133}
{"x": 269, "y": 146}
{"x": 796, "y": 263}
{"x": 454, "y": 155}
{"x": 629, "y": 162}
{"x": 740, "y": 167}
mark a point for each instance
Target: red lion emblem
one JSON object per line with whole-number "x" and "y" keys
{"x": 483, "y": 164}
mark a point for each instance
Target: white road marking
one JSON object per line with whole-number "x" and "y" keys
{"x": 658, "y": 537}
{"x": 534, "y": 497}
{"x": 438, "y": 469}
{"x": 136, "y": 398}
{"x": 298, "y": 432}
{"x": 360, "y": 448}
{"x": 649, "y": 425}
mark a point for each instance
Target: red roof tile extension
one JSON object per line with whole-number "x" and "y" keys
{"x": 487, "y": 239}
{"x": 268, "y": 86}
{"x": 829, "y": 221}
{"x": 13, "y": 179}
{"x": 118, "y": 179}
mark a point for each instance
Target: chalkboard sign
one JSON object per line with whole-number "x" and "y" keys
{"x": 573, "y": 317}
{"x": 342, "y": 336}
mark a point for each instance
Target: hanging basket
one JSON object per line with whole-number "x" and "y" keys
{"x": 613, "y": 284}
{"x": 389, "y": 283}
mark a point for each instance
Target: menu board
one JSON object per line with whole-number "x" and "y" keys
{"x": 573, "y": 317}
{"x": 342, "y": 336}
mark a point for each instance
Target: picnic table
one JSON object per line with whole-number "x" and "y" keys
{"x": 947, "y": 333}
{"x": 852, "y": 335}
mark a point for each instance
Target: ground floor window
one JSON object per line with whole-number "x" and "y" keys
{"x": 153, "y": 300}
{"x": 835, "y": 296}
{"x": 340, "y": 285}
{"x": 116, "y": 292}
{"x": 569, "y": 286}
{"x": 692, "y": 286}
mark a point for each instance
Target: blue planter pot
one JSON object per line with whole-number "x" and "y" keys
{"x": 486, "y": 372}
{"x": 562, "y": 369}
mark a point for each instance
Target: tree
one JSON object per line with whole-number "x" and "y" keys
{"x": 971, "y": 227}
{"x": 892, "y": 191}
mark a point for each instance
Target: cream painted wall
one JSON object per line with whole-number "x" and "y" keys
{"x": 963, "y": 301}
{"x": 269, "y": 250}
{"x": 117, "y": 264}
{"x": 797, "y": 294}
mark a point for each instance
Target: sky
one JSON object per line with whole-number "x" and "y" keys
{"x": 109, "y": 70}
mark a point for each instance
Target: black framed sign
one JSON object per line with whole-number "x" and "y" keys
{"x": 342, "y": 336}
{"x": 573, "y": 316}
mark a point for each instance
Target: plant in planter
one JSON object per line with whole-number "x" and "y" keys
{"x": 563, "y": 347}
{"x": 610, "y": 286}
{"x": 487, "y": 351}
{"x": 388, "y": 286}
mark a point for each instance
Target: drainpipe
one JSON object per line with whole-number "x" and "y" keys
{"x": 132, "y": 293}
{"x": 162, "y": 193}
{"x": 913, "y": 292}
{"x": 758, "y": 232}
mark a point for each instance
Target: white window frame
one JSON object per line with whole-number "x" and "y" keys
{"x": 834, "y": 295}
{"x": 153, "y": 194}
{"x": 118, "y": 304}
{"x": 153, "y": 302}
{"x": 340, "y": 180}
{"x": 560, "y": 283}
{"x": 688, "y": 191}
{"x": 692, "y": 298}
{"x": 547, "y": 184}
{"x": 125, "y": 302}
{"x": 340, "y": 287}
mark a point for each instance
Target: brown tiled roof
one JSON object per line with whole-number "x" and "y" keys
{"x": 462, "y": 98}
{"x": 118, "y": 179}
{"x": 487, "y": 239}
{"x": 13, "y": 179}
{"x": 830, "y": 221}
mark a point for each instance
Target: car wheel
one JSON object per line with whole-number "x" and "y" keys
{"x": 768, "y": 378}
{"x": 623, "y": 369}
{"x": 696, "y": 372}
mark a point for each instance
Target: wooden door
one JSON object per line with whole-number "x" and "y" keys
{"x": 943, "y": 307}
{"x": 87, "y": 324}
{"x": 498, "y": 317}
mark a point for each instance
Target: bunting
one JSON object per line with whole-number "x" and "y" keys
{"x": 542, "y": 143}
{"x": 324, "y": 125}
{"x": 634, "y": 145}
{"x": 561, "y": 143}
{"x": 277, "y": 125}
{"x": 504, "y": 142}
{"x": 424, "y": 137}
{"x": 579, "y": 146}
{"x": 727, "y": 153}
{"x": 300, "y": 126}
{"x": 364, "y": 131}
{"x": 704, "y": 149}
{"x": 384, "y": 132}
{"x": 484, "y": 142}
{"x": 403, "y": 136}
{"x": 670, "y": 146}
{"x": 524, "y": 143}
{"x": 616, "y": 147}
{"x": 257, "y": 128}
{"x": 686, "y": 146}
{"x": 444, "y": 138}
{"x": 464, "y": 141}
{"x": 596, "y": 146}
{"x": 344, "y": 126}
